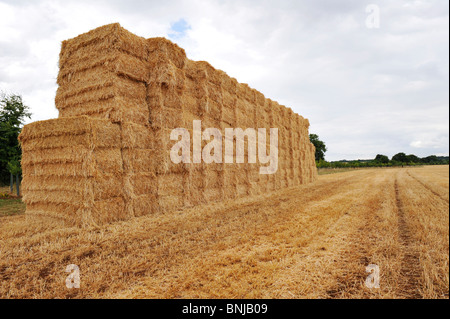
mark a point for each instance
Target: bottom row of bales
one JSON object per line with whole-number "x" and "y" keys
{"x": 88, "y": 171}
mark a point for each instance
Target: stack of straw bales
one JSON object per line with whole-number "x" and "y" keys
{"x": 72, "y": 169}
{"x": 107, "y": 156}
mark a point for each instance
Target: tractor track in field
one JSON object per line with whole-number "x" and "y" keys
{"x": 410, "y": 265}
{"x": 428, "y": 188}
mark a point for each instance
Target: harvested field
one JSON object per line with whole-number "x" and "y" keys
{"x": 307, "y": 241}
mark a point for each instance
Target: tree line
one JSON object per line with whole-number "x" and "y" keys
{"x": 399, "y": 159}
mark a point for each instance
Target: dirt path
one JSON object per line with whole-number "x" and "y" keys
{"x": 410, "y": 266}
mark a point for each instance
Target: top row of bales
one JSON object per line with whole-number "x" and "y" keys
{"x": 111, "y": 73}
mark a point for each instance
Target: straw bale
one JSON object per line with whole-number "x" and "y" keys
{"x": 241, "y": 105}
{"x": 62, "y": 210}
{"x": 71, "y": 159}
{"x": 145, "y": 204}
{"x": 242, "y": 190}
{"x": 249, "y": 109}
{"x": 260, "y": 99}
{"x": 188, "y": 118}
{"x": 241, "y": 177}
{"x": 190, "y": 105}
{"x": 51, "y": 183}
{"x": 229, "y": 99}
{"x": 54, "y": 142}
{"x": 253, "y": 189}
{"x": 215, "y": 92}
{"x": 228, "y": 116}
{"x": 170, "y": 202}
{"x": 252, "y": 173}
{"x": 245, "y": 92}
{"x": 139, "y": 160}
{"x": 68, "y": 126}
{"x": 196, "y": 177}
{"x": 97, "y": 169}
{"x": 214, "y": 194}
{"x": 229, "y": 192}
{"x": 243, "y": 119}
{"x": 100, "y": 86}
{"x": 144, "y": 183}
{"x": 106, "y": 211}
{"x": 106, "y": 39}
{"x": 263, "y": 183}
{"x": 166, "y": 117}
{"x": 69, "y": 169}
{"x": 172, "y": 100}
{"x": 154, "y": 93}
{"x": 190, "y": 86}
{"x": 208, "y": 72}
{"x": 214, "y": 110}
{"x": 195, "y": 71}
{"x": 229, "y": 177}
{"x": 229, "y": 85}
{"x": 168, "y": 50}
{"x": 61, "y": 155}
{"x": 164, "y": 165}
{"x": 271, "y": 183}
{"x": 118, "y": 63}
{"x": 41, "y": 195}
{"x": 137, "y": 136}
{"x": 170, "y": 184}
{"x": 117, "y": 110}
{"x": 108, "y": 160}
{"x": 161, "y": 158}
{"x": 212, "y": 179}
{"x": 166, "y": 75}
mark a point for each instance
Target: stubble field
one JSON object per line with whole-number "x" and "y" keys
{"x": 312, "y": 241}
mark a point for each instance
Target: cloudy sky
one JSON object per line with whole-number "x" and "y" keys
{"x": 369, "y": 83}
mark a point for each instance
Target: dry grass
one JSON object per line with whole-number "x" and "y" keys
{"x": 9, "y": 207}
{"x": 9, "y": 203}
{"x": 310, "y": 241}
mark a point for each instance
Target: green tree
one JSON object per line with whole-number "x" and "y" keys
{"x": 413, "y": 159}
{"x": 381, "y": 159}
{"x": 432, "y": 159}
{"x": 320, "y": 146}
{"x": 400, "y": 157}
{"x": 12, "y": 117}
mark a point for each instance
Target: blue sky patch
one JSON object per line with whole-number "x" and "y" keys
{"x": 178, "y": 29}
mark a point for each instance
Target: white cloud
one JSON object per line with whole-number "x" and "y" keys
{"x": 365, "y": 91}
